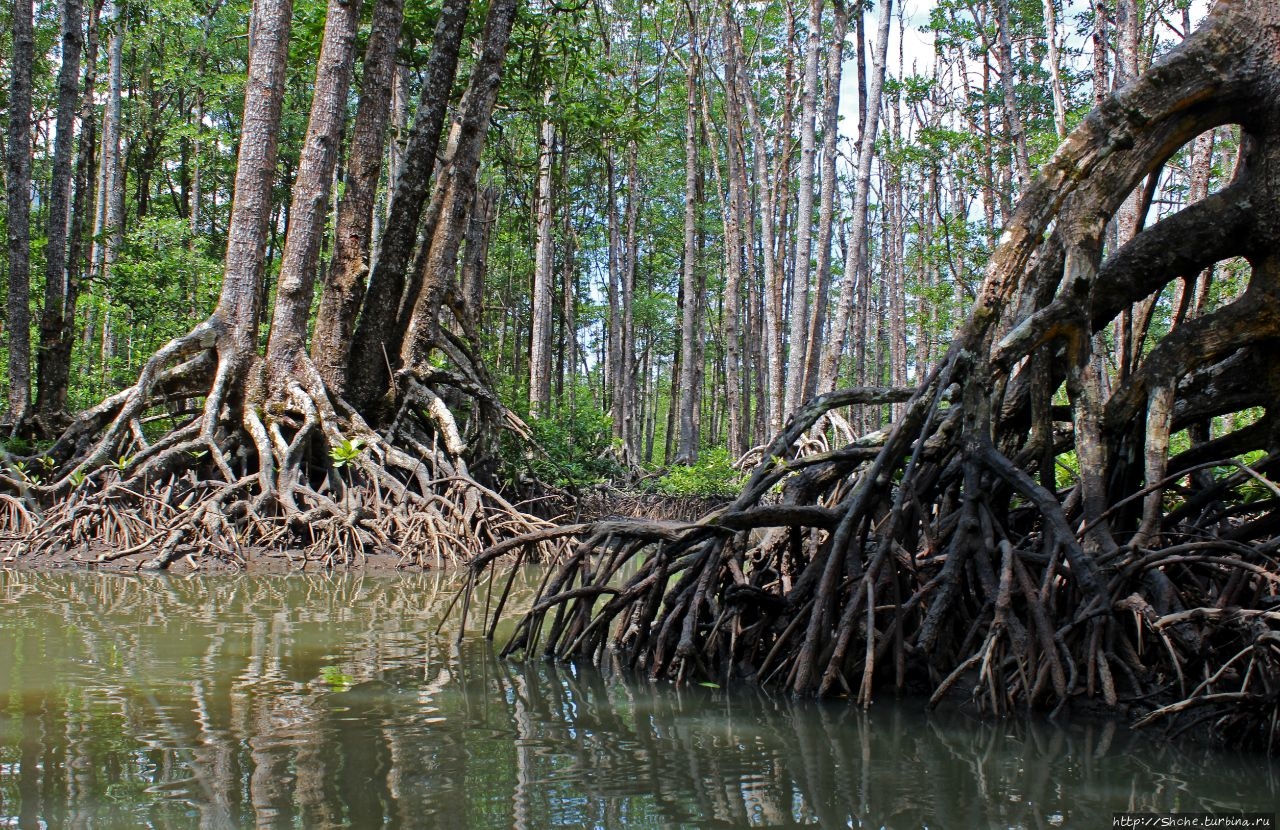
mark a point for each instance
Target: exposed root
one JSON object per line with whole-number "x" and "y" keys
{"x": 210, "y": 457}
{"x": 1024, "y": 535}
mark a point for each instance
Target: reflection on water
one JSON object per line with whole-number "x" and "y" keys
{"x": 321, "y": 702}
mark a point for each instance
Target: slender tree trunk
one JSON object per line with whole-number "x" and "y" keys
{"x": 735, "y": 210}
{"x": 311, "y": 187}
{"x": 18, "y": 185}
{"x": 369, "y": 350}
{"x": 475, "y": 263}
{"x": 804, "y": 212}
{"x": 543, "y": 263}
{"x": 1055, "y": 69}
{"x": 855, "y": 269}
{"x": 771, "y": 301}
{"x": 78, "y": 247}
{"x": 1008, "y": 79}
{"x": 613, "y": 356}
{"x": 344, "y": 285}
{"x": 569, "y": 324}
{"x": 691, "y": 311}
{"x": 826, "y": 206}
{"x": 627, "y": 361}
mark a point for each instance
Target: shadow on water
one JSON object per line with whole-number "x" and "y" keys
{"x": 324, "y": 702}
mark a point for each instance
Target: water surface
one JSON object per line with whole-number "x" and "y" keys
{"x": 316, "y": 702}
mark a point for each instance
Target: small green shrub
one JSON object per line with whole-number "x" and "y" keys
{"x": 712, "y": 475}
{"x": 577, "y": 450}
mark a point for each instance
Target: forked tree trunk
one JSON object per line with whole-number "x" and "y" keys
{"x": 344, "y": 284}
{"x": 356, "y": 365}
{"x": 419, "y": 319}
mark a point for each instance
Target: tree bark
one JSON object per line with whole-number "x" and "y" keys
{"x": 454, "y": 194}
{"x": 826, "y": 206}
{"x": 543, "y": 262}
{"x": 735, "y": 150}
{"x": 367, "y": 353}
{"x": 295, "y": 286}
{"x": 802, "y": 264}
{"x": 855, "y": 269}
{"x": 18, "y": 189}
{"x": 54, "y": 374}
{"x": 344, "y": 284}
{"x": 237, "y": 316}
{"x": 691, "y": 311}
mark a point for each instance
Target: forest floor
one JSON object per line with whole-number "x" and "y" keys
{"x": 598, "y": 504}
{"x": 256, "y": 560}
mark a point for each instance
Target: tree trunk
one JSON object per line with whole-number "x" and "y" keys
{"x": 855, "y": 269}
{"x": 454, "y": 194}
{"x": 18, "y": 189}
{"x": 735, "y": 150}
{"x": 344, "y": 284}
{"x": 826, "y": 206}
{"x": 543, "y": 263}
{"x": 366, "y": 354}
{"x": 1008, "y": 80}
{"x": 804, "y": 212}
{"x": 625, "y": 384}
{"x": 1055, "y": 69}
{"x": 475, "y": 264}
{"x": 691, "y": 310}
{"x": 239, "y": 308}
{"x": 296, "y": 284}
{"x": 54, "y": 374}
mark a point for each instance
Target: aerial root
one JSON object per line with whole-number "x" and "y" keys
{"x": 237, "y": 473}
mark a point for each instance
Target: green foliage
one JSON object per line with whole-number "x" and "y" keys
{"x": 713, "y": 475}
{"x": 346, "y": 452}
{"x": 576, "y": 450}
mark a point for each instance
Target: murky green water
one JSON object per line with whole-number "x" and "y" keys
{"x": 317, "y": 702}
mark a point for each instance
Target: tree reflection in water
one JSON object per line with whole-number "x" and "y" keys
{"x": 330, "y": 701}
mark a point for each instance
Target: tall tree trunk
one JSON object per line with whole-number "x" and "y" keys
{"x": 1008, "y": 80}
{"x": 344, "y": 284}
{"x": 365, "y": 376}
{"x": 826, "y": 206}
{"x": 737, "y": 173}
{"x": 475, "y": 263}
{"x": 627, "y": 359}
{"x": 613, "y": 351}
{"x": 804, "y": 211}
{"x": 79, "y": 245}
{"x": 51, "y": 395}
{"x": 18, "y": 185}
{"x": 455, "y": 191}
{"x": 239, "y": 305}
{"x": 1055, "y": 69}
{"x": 543, "y": 263}
{"x": 771, "y": 301}
{"x": 855, "y": 269}
{"x": 296, "y": 284}
{"x": 691, "y": 311}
